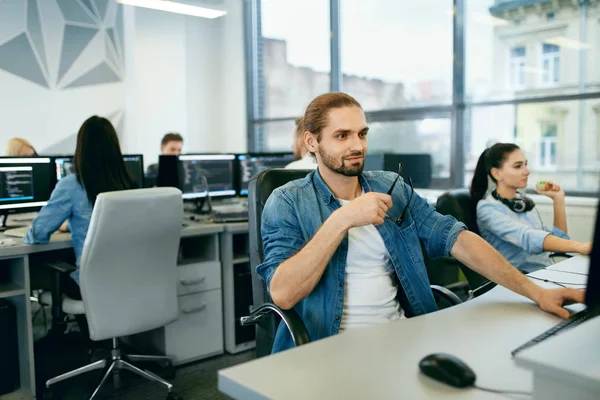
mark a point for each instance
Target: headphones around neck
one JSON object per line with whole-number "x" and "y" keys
{"x": 518, "y": 204}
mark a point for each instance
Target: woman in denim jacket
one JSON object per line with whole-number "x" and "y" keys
{"x": 508, "y": 220}
{"x": 98, "y": 167}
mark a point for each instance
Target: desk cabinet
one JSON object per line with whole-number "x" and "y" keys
{"x": 14, "y": 287}
{"x": 237, "y": 287}
{"x": 198, "y": 331}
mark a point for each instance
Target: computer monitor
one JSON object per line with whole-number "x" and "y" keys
{"x": 252, "y": 164}
{"x": 135, "y": 166}
{"x": 63, "y": 166}
{"x": 218, "y": 169}
{"x": 25, "y": 184}
{"x": 592, "y": 294}
{"x": 416, "y": 166}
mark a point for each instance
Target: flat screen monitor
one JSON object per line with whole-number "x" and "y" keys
{"x": 135, "y": 166}
{"x": 217, "y": 169}
{"x": 252, "y": 164}
{"x": 63, "y": 166}
{"x": 592, "y": 293}
{"x": 416, "y": 166}
{"x": 25, "y": 183}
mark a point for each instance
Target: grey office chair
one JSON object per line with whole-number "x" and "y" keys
{"x": 128, "y": 274}
{"x": 265, "y": 314}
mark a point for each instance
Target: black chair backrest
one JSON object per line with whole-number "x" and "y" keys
{"x": 461, "y": 206}
{"x": 259, "y": 189}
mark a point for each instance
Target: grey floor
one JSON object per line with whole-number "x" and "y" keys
{"x": 192, "y": 381}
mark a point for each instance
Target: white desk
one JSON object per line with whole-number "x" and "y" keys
{"x": 382, "y": 362}
{"x": 201, "y": 261}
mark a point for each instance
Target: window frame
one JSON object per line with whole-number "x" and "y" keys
{"x": 460, "y": 107}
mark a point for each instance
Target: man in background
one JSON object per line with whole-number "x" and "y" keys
{"x": 304, "y": 160}
{"x": 171, "y": 145}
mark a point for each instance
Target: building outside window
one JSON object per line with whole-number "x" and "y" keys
{"x": 550, "y": 63}
{"x": 547, "y": 148}
{"x": 517, "y": 66}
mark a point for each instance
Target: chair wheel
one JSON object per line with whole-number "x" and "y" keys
{"x": 48, "y": 394}
{"x": 167, "y": 370}
{"x": 173, "y": 396}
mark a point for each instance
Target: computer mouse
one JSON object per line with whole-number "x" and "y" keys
{"x": 447, "y": 369}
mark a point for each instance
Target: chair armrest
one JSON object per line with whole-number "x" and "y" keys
{"x": 290, "y": 318}
{"x": 446, "y": 294}
{"x": 60, "y": 266}
{"x": 559, "y": 254}
{"x": 486, "y": 287}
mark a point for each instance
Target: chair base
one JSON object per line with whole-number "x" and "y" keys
{"x": 112, "y": 366}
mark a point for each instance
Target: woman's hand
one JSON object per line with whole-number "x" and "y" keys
{"x": 553, "y": 190}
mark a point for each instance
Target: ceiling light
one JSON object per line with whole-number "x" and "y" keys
{"x": 174, "y": 7}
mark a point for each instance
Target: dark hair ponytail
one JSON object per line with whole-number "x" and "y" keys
{"x": 492, "y": 157}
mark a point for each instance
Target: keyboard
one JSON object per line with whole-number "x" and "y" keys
{"x": 234, "y": 212}
{"x": 17, "y": 232}
{"x": 231, "y": 216}
{"x": 572, "y": 322}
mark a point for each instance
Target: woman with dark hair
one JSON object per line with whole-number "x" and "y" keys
{"x": 507, "y": 218}
{"x": 99, "y": 167}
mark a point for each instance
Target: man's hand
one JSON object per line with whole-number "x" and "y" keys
{"x": 367, "y": 209}
{"x": 552, "y": 300}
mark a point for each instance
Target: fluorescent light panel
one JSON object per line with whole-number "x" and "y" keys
{"x": 179, "y": 8}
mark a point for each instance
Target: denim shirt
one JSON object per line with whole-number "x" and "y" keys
{"x": 68, "y": 201}
{"x": 295, "y": 212}
{"x": 519, "y": 237}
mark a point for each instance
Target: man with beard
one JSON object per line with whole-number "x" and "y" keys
{"x": 345, "y": 254}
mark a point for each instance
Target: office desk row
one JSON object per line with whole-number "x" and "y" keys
{"x": 213, "y": 265}
{"x": 382, "y": 362}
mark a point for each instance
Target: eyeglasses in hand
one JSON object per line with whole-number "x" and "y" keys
{"x": 399, "y": 220}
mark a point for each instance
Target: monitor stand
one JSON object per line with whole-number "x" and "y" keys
{"x": 199, "y": 204}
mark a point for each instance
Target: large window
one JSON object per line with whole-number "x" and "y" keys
{"x": 295, "y": 55}
{"x": 429, "y": 135}
{"x": 396, "y": 53}
{"x": 528, "y": 73}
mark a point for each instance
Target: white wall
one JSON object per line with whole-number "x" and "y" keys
{"x": 185, "y": 74}
{"x": 181, "y": 73}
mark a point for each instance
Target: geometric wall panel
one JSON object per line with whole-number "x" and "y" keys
{"x": 35, "y": 31}
{"x": 101, "y": 6}
{"x": 73, "y": 12}
{"x": 100, "y": 73}
{"x": 61, "y": 38}
{"x": 75, "y": 39}
{"x": 16, "y": 57}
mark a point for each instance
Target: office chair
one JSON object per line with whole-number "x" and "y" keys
{"x": 127, "y": 275}
{"x": 265, "y": 314}
{"x": 458, "y": 203}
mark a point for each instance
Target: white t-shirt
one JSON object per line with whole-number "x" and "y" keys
{"x": 306, "y": 162}
{"x": 369, "y": 289}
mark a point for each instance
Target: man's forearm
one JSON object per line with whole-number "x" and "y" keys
{"x": 296, "y": 277}
{"x": 482, "y": 258}
{"x": 560, "y": 215}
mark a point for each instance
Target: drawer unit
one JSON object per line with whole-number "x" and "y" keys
{"x": 198, "y": 331}
{"x": 198, "y": 277}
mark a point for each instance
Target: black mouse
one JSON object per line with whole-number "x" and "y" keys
{"x": 448, "y": 369}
